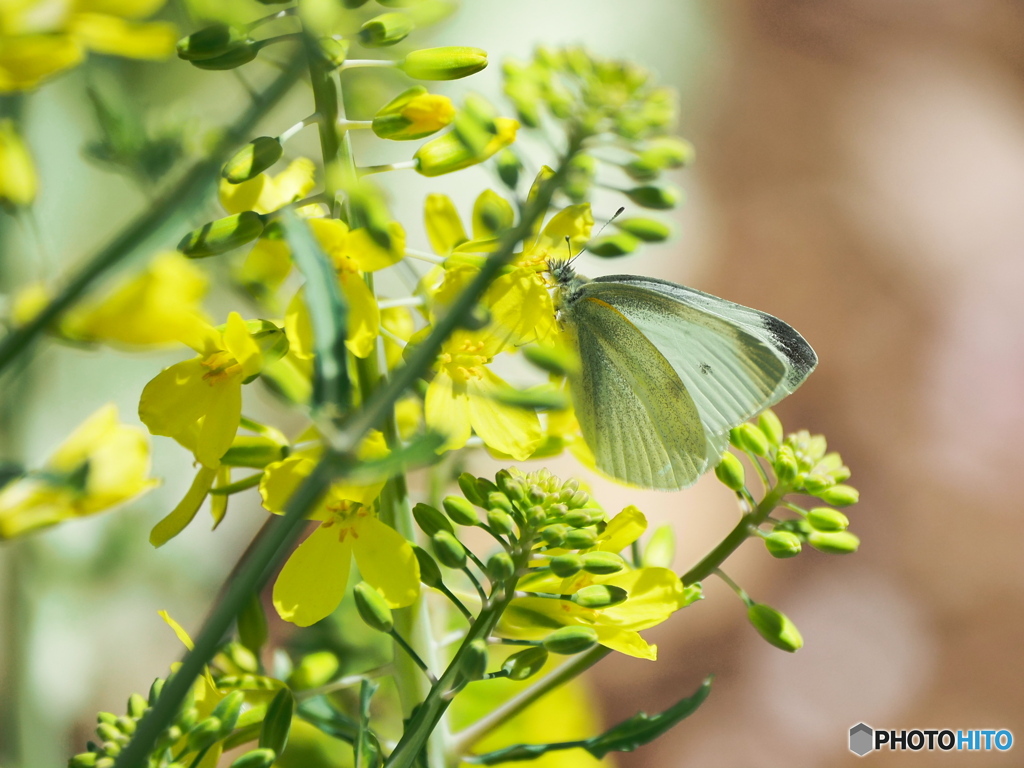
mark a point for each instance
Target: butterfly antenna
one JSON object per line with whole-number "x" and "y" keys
{"x": 581, "y": 250}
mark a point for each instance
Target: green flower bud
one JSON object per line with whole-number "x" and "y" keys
{"x": 474, "y": 660}
{"x": 222, "y": 235}
{"x": 430, "y": 520}
{"x": 460, "y": 511}
{"x": 611, "y": 246}
{"x": 580, "y": 177}
{"x": 386, "y": 29}
{"x": 557, "y": 360}
{"x": 603, "y": 563}
{"x": 373, "y": 608}
{"x": 749, "y": 438}
{"x": 448, "y": 549}
{"x": 667, "y": 152}
{"x": 254, "y": 451}
{"x": 110, "y": 749}
{"x": 471, "y": 489}
{"x": 210, "y": 42}
{"x": 554, "y": 535}
{"x": 818, "y": 483}
{"x": 536, "y": 515}
{"x": 835, "y": 543}
{"x": 204, "y": 734}
{"x": 85, "y": 760}
{"x": 500, "y": 521}
{"x": 277, "y": 723}
{"x": 137, "y": 706}
{"x": 413, "y": 115}
{"x": 579, "y": 500}
{"x": 641, "y": 170}
{"x": 827, "y": 519}
{"x": 771, "y": 427}
{"x": 315, "y": 669}
{"x": 730, "y": 472}
{"x": 105, "y": 762}
{"x": 368, "y": 207}
{"x": 334, "y": 50}
{"x": 648, "y": 230}
{"x": 569, "y": 640}
{"x": 557, "y": 510}
{"x": 500, "y": 567}
{"x": 786, "y": 466}
{"x": 775, "y": 627}
{"x": 566, "y": 565}
{"x": 430, "y": 574}
{"x": 840, "y": 495}
{"x": 234, "y": 58}
{"x": 126, "y": 725}
{"x": 354, "y": 3}
{"x": 508, "y": 166}
{"x": 155, "y": 689}
{"x": 455, "y": 150}
{"x": 498, "y": 500}
{"x": 537, "y": 495}
{"x": 257, "y": 758}
{"x": 108, "y": 732}
{"x": 578, "y": 518}
{"x": 187, "y": 718}
{"x": 600, "y": 596}
{"x": 252, "y": 159}
{"x": 525, "y": 663}
{"x": 657, "y": 197}
{"x": 227, "y": 711}
{"x": 782, "y": 544}
{"x": 106, "y": 717}
{"x": 580, "y": 538}
{"x": 450, "y": 63}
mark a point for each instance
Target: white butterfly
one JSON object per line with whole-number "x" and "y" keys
{"x": 666, "y": 371}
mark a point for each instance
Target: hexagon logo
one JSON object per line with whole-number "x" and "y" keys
{"x": 862, "y": 739}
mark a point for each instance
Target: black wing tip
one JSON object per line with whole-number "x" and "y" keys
{"x": 796, "y": 349}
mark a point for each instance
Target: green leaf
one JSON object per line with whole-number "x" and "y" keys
{"x": 319, "y": 713}
{"x": 643, "y": 728}
{"x": 624, "y": 737}
{"x": 421, "y": 452}
{"x": 368, "y": 752}
{"x": 328, "y": 314}
{"x": 278, "y": 721}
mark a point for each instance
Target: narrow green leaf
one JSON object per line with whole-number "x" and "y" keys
{"x": 277, "y": 723}
{"x": 368, "y": 753}
{"x": 328, "y": 315}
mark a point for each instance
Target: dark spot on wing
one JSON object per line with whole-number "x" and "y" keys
{"x": 705, "y": 368}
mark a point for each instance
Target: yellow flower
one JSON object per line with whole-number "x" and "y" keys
{"x": 158, "y": 306}
{"x": 18, "y": 181}
{"x": 352, "y": 252}
{"x": 199, "y": 402}
{"x": 102, "y": 463}
{"x": 313, "y": 580}
{"x": 39, "y": 40}
{"x": 461, "y": 399}
{"x": 654, "y": 594}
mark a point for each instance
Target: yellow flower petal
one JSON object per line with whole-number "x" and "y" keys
{"x": 293, "y": 183}
{"x": 574, "y": 222}
{"x": 513, "y": 431}
{"x": 186, "y": 510}
{"x": 128, "y": 9}
{"x": 182, "y": 635}
{"x": 444, "y": 228}
{"x": 312, "y": 582}
{"x": 236, "y": 198}
{"x": 117, "y": 37}
{"x": 175, "y": 400}
{"x": 363, "y": 315}
{"x": 447, "y": 411}
{"x": 331, "y": 234}
{"x": 280, "y": 480}
{"x": 266, "y": 266}
{"x": 299, "y": 327}
{"x": 623, "y": 529}
{"x": 626, "y": 641}
{"x": 386, "y": 561}
{"x": 242, "y": 346}
{"x": 654, "y": 595}
{"x": 368, "y": 256}
{"x": 220, "y": 424}
{"x": 219, "y": 501}
{"x": 28, "y": 60}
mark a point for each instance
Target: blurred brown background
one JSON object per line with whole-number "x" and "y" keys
{"x": 860, "y": 174}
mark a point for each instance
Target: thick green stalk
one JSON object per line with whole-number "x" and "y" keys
{"x": 160, "y": 221}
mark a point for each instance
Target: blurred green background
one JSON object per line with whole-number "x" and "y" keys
{"x": 860, "y": 174}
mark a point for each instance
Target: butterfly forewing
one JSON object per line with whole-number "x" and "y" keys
{"x": 733, "y": 360}
{"x": 635, "y": 412}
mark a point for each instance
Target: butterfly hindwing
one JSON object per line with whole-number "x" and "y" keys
{"x": 635, "y": 413}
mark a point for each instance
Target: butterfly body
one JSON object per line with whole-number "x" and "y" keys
{"x": 666, "y": 371}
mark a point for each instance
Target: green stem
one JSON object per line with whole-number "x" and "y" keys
{"x": 161, "y": 220}
{"x": 249, "y": 578}
{"x": 239, "y": 485}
